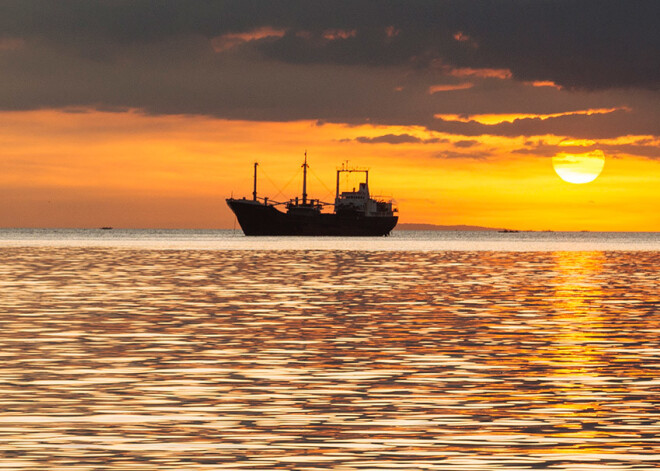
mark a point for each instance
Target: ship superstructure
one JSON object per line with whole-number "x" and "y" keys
{"x": 354, "y": 213}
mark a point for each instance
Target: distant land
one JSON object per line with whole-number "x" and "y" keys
{"x": 436, "y": 227}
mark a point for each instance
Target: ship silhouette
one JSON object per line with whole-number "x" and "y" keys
{"x": 354, "y": 213}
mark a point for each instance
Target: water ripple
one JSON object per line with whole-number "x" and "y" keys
{"x": 115, "y": 358}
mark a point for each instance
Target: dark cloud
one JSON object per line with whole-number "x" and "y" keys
{"x": 648, "y": 151}
{"x": 357, "y": 61}
{"x": 595, "y": 126}
{"x": 449, "y": 154}
{"x": 395, "y": 139}
{"x": 641, "y": 148}
{"x": 465, "y": 144}
{"x": 578, "y": 45}
{"x": 589, "y": 44}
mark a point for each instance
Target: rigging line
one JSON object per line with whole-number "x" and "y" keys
{"x": 281, "y": 191}
{"x": 321, "y": 182}
{"x": 272, "y": 183}
{"x": 292, "y": 179}
{"x": 330, "y": 193}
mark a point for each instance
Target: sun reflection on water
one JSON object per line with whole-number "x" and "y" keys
{"x": 576, "y": 309}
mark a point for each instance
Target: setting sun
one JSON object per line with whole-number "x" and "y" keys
{"x": 579, "y": 168}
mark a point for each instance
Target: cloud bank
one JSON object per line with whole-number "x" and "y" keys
{"x": 357, "y": 61}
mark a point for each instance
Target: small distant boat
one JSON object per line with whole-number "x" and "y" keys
{"x": 507, "y": 231}
{"x": 355, "y": 212}
{"x": 105, "y": 228}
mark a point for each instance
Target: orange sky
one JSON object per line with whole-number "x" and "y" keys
{"x": 149, "y": 114}
{"x": 126, "y": 169}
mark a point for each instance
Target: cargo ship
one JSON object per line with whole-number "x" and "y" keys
{"x": 354, "y": 213}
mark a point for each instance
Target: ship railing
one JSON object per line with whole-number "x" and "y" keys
{"x": 311, "y": 202}
{"x": 266, "y": 201}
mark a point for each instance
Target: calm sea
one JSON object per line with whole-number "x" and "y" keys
{"x": 207, "y": 350}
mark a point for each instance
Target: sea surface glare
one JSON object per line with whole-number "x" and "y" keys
{"x": 143, "y": 358}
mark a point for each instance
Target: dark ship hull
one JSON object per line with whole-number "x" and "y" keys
{"x": 258, "y": 219}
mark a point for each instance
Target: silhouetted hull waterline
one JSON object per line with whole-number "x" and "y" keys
{"x": 258, "y": 219}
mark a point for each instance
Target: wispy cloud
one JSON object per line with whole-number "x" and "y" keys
{"x": 230, "y": 40}
{"x": 465, "y": 144}
{"x": 335, "y": 34}
{"x": 395, "y": 139}
{"x": 647, "y": 148}
{"x": 449, "y": 87}
{"x": 481, "y": 73}
{"x": 544, "y": 83}
{"x": 497, "y": 118}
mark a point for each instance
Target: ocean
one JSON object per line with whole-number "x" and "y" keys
{"x": 208, "y": 350}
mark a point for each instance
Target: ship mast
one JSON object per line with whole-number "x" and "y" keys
{"x": 305, "y": 166}
{"x": 254, "y": 191}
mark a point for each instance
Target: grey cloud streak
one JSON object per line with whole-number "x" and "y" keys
{"x": 158, "y": 56}
{"x": 640, "y": 148}
{"x": 597, "y": 126}
{"x": 396, "y": 139}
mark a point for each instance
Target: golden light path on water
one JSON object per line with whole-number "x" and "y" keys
{"x": 115, "y": 358}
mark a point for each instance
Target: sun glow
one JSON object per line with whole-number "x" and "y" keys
{"x": 87, "y": 168}
{"x": 579, "y": 168}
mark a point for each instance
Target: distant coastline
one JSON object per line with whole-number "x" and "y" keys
{"x": 437, "y": 227}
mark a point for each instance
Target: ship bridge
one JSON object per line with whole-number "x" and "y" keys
{"x": 360, "y": 201}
